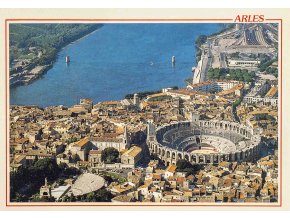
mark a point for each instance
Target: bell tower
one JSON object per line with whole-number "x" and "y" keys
{"x": 150, "y": 130}
{"x": 125, "y": 136}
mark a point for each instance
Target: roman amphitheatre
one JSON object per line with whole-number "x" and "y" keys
{"x": 204, "y": 142}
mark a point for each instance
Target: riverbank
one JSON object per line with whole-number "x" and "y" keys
{"x": 33, "y": 62}
{"x": 27, "y": 78}
{"x": 204, "y": 57}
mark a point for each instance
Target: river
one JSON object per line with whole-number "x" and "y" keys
{"x": 115, "y": 60}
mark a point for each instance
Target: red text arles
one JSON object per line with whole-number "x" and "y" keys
{"x": 249, "y": 18}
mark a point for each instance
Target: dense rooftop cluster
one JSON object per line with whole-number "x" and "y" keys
{"x": 106, "y": 141}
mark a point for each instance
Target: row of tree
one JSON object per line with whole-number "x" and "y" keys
{"x": 272, "y": 70}
{"x": 266, "y": 62}
{"x": 201, "y": 39}
{"x": 231, "y": 74}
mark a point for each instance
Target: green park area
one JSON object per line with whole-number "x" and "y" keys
{"x": 231, "y": 74}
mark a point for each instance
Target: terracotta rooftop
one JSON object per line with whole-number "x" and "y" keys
{"x": 133, "y": 152}
{"x": 272, "y": 92}
{"x": 81, "y": 142}
{"x": 77, "y": 109}
{"x": 95, "y": 152}
{"x": 229, "y": 91}
{"x": 171, "y": 168}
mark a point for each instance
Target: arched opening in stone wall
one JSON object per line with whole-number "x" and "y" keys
{"x": 215, "y": 159}
{"x": 207, "y": 159}
{"x": 201, "y": 159}
{"x": 236, "y": 156}
{"x": 197, "y": 140}
{"x": 193, "y": 158}
{"x": 173, "y": 155}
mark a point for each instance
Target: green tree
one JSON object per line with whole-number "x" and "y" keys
{"x": 234, "y": 74}
{"x": 186, "y": 166}
{"x": 101, "y": 195}
{"x": 47, "y": 167}
{"x": 70, "y": 198}
{"x": 71, "y": 140}
{"x": 20, "y": 198}
{"x": 110, "y": 155}
{"x": 37, "y": 198}
{"x": 71, "y": 171}
{"x": 33, "y": 177}
{"x": 201, "y": 39}
{"x": 183, "y": 164}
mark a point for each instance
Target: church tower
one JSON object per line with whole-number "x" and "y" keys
{"x": 150, "y": 130}
{"x": 125, "y": 136}
{"x": 136, "y": 99}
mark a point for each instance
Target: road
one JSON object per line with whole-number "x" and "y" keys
{"x": 223, "y": 60}
{"x": 207, "y": 61}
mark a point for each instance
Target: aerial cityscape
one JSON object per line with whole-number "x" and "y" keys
{"x": 161, "y": 113}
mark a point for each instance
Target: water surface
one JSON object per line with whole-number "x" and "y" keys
{"x": 116, "y": 60}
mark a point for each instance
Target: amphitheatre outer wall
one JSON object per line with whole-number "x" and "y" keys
{"x": 159, "y": 145}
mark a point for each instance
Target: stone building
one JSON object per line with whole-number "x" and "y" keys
{"x": 203, "y": 142}
{"x": 132, "y": 156}
{"x": 45, "y": 190}
{"x": 95, "y": 158}
{"x": 82, "y": 148}
{"x": 87, "y": 104}
{"x": 114, "y": 140}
